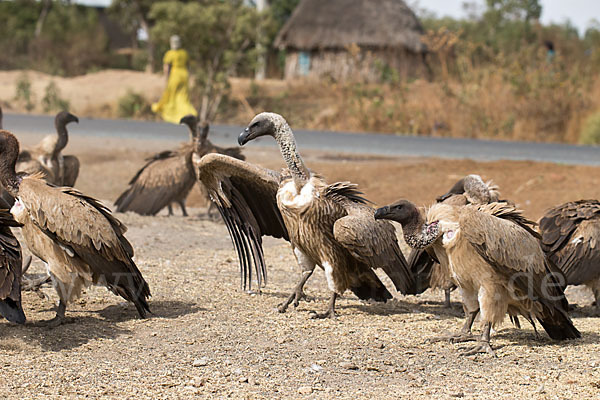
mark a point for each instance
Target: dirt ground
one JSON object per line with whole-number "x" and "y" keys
{"x": 209, "y": 339}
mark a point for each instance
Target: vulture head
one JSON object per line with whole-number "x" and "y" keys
{"x": 417, "y": 233}
{"x": 63, "y": 118}
{"x": 264, "y": 124}
{"x": 190, "y": 121}
{"x": 9, "y": 151}
{"x": 475, "y": 190}
{"x": 402, "y": 211}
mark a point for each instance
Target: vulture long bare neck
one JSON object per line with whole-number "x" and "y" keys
{"x": 9, "y": 151}
{"x": 60, "y": 123}
{"x": 287, "y": 145}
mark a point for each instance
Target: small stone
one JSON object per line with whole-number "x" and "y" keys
{"x": 316, "y": 367}
{"x": 459, "y": 395}
{"x": 305, "y": 390}
{"x": 348, "y": 365}
{"x": 243, "y": 379}
{"x": 200, "y": 362}
{"x": 541, "y": 389}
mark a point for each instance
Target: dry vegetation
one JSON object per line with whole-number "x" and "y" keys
{"x": 208, "y": 339}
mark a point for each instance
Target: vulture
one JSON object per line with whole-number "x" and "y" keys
{"x": 329, "y": 225}
{"x": 76, "y": 236}
{"x": 429, "y": 272}
{"x": 168, "y": 177}
{"x": 1, "y": 117}
{"x": 497, "y": 262}
{"x": 10, "y": 268}
{"x": 47, "y": 157}
{"x": 571, "y": 239}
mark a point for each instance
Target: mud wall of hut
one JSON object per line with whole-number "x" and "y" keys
{"x": 341, "y": 65}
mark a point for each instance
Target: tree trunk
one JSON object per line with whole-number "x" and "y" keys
{"x": 39, "y": 25}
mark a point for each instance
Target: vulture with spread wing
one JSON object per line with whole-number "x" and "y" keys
{"x": 571, "y": 238}
{"x": 169, "y": 176}
{"x": 76, "y": 236}
{"x": 429, "y": 272}
{"x": 497, "y": 262}
{"x": 330, "y": 225}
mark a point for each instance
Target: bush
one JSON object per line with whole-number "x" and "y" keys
{"x": 133, "y": 105}
{"x": 23, "y": 93}
{"x": 52, "y": 100}
{"x": 590, "y": 133}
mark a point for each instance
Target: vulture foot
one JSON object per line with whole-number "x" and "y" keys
{"x": 59, "y": 319}
{"x": 480, "y": 347}
{"x": 294, "y": 299}
{"x": 458, "y": 337}
{"x": 447, "y": 303}
{"x": 330, "y": 313}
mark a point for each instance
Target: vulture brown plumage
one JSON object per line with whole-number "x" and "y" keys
{"x": 330, "y": 225}
{"x": 571, "y": 239}
{"x": 47, "y": 157}
{"x": 78, "y": 238}
{"x": 497, "y": 262}
{"x": 10, "y": 268}
{"x": 169, "y": 176}
{"x": 431, "y": 273}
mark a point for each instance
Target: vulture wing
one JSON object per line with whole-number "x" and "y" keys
{"x": 373, "y": 243}
{"x": 87, "y": 229}
{"x": 10, "y": 270}
{"x": 245, "y": 195}
{"x": 516, "y": 254}
{"x": 421, "y": 263}
{"x": 157, "y": 184}
{"x": 570, "y": 234}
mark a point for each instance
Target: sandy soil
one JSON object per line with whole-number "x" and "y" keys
{"x": 209, "y": 339}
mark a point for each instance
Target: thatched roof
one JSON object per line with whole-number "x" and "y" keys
{"x": 335, "y": 24}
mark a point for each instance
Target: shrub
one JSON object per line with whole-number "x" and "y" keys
{"x": 133, "y": 105}
{"x": 52, "y": 100}
{"x": 590, "y": 133}
{"x": 23, "y": 93}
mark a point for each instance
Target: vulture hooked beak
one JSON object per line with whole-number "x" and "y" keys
{"x": 382, "y": 212}
{"x": 244, "y": 137}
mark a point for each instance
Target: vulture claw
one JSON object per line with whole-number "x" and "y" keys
{"x": 458, "y": 337}
{"x": 480, "y": 347}
{"x": 294, "y": 299}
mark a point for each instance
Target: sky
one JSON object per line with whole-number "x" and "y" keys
{"x": 579, "y": 12}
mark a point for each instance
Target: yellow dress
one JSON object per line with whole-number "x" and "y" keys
{"x": 175, "y": 100}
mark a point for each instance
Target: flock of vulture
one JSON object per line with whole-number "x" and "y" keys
{"x": 470, "y": 239}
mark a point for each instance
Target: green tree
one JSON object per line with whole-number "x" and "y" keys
{"x": 221, "y": 37}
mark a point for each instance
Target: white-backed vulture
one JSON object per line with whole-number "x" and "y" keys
{"x": 429, "y": 273}
{"x": 497, "y": 262}
{"x": 10, "y": 268}
{"x": 168, "y": 177}
{"x": 47, "y": 157}
{"x": 329, "y": 225}
{"x": 571, "y": 238}
{"x": 76, "y": 236}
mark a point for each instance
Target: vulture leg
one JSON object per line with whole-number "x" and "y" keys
{"x": 330, "y": 313}
{"x": 26, "y": 264}
{"x": 34, "y": 284}
{"x": 298, "y": 294}
{"x": 464, "y": 335}
{"x": 182, "y": 205}
{"x": 483, "y": 344}
{"x": 170, "y": 210}
{"x": 59, "y": 319}
{"x": 447, "y": 303}
{"x": 210, "y": 212}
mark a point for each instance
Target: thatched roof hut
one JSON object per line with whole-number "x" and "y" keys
{"x": 329, "y": 32}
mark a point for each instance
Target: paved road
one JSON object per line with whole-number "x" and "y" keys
{"x": 376, "y": 144}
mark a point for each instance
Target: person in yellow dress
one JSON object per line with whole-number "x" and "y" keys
{"x": 175, "y": 100}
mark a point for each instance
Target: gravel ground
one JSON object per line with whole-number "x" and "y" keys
{"x": 209, "y": 339}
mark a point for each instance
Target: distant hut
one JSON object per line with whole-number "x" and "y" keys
{"x": 349, "y": 39}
